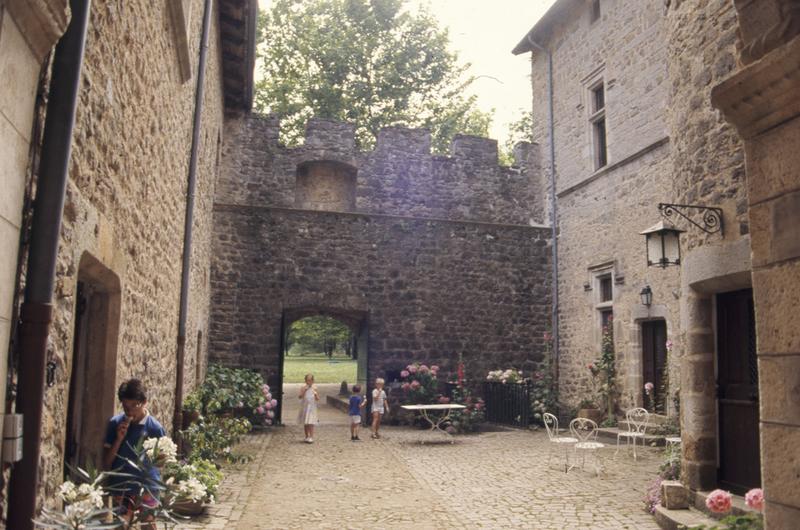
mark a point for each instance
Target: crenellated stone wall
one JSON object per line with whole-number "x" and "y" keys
{"x": 442, "y": 255}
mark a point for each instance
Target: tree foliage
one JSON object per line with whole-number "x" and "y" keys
{"x": 319, "y": 334}
{"x": 374, "y": 63}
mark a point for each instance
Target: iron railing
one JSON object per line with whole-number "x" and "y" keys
{"x": 508, "y": 404}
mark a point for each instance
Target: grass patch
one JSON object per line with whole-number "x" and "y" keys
{"x": 325, "y": 371}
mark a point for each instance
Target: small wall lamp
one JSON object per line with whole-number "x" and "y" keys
{"x": 647, "y": 295}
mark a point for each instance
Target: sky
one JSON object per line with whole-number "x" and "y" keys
{"x": 484, "y": 32}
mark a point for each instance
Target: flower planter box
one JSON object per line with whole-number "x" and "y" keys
{"x": 596, "y": 415}
{"x": 188, "y": 508}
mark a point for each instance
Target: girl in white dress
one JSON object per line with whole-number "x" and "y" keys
{"x": 308, "y": 408}
{"x": 380, "y": 405}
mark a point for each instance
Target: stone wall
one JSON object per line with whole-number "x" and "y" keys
{"x": 708, "y": 162}
{"x": 20, "y": 63}
{"x": 761, "y": 100}
{"x": 601, "y": 212}
{"x": 440, "y": 253}
{"x": 431, "y": 289}
{"x": 399, "y": 177}
{"x": 123, "y": 219}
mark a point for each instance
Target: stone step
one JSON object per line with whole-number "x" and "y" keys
{"x": 682, "y": 519}
{"x": 609, "y": 434}
{"x": 338, "y": 402}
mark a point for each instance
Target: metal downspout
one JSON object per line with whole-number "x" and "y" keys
{"x": 189, "y": 218}
{"x": 553, "y": 204}
{"x": 37, "y": 308}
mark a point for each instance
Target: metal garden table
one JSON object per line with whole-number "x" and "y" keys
{"x": 436, "y": 422}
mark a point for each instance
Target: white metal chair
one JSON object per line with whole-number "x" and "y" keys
{"x": 551, "y": 425}
{"x": 637, "y": 421}
{"x": 585, "y": 430}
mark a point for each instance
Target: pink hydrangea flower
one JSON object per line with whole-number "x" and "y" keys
{"x": 444, "y": 399}
{"x": 435, "y": 368}
{"x": 423, "y": 369}
{"x": 415, "y": 385}
{"x": 405, "y": 386}
{"x": 648, "y": 387}
{"x": 404, "y": 374}
{"x": 755, "y": 499}
{"x": 268, "y": 397}
{"x": 274, "y": 403}
{"x": 719, "y": 501}
{"x": 260, "y": 410}
{"x": 478, "y": 406}
{"x": 669, "y": 345}
{"x": 412, "y": 369}
{"x": 267, "y": 405}
{"x": 547, "y": 336}
{"x": 270, "y": 414}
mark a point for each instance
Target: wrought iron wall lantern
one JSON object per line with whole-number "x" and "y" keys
{"x": 647, "y": 295}
{"x": 663, "y": 239}
{"x": 711, "y": 217}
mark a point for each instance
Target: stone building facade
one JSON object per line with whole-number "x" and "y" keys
{"x": 612, "y": 165}
{"x": 761, "y": 98}
{"x": 425, "y": 257}
{"x": 118, "y": 274}
{"x": 709, "y": 170}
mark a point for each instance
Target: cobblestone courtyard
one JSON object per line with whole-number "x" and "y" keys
{"x": 491, "y": 480}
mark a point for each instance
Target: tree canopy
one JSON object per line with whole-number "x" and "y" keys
{"x": 318, "y": 334}
{"x": 374, "y": 63}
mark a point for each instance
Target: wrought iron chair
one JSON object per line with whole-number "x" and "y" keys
{"x": 637, "y": 421}
{"x": 551, "y": 425}
{"x": 585, "y": 430}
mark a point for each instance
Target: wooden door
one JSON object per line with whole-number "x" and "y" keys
{"x": 654, "y": 362}
{"x": 737, "y": 380}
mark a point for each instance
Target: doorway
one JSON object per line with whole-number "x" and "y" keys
{"x": 739, "y": 466}
{"x": 654, "y": 364}
{"x": 329, "y": 343}
{"x": 94, "y": 358}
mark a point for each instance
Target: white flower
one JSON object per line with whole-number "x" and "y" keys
{"x": 191, "y": 489}
{"x": 77, "y": 513}
{"x": 161, "y": 450}
{"x": 67, "y": 492}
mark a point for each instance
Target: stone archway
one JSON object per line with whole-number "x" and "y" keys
{"x": 356, "y": 320}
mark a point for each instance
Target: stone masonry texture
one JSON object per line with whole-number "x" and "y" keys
{"x": 124, "y": 212}
{"x": 601, "y": 211}
{"x": 440, "y": 254}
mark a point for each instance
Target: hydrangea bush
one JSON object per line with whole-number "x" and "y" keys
{"x": 420, "y": 383}
{"x": 470, "y": 418}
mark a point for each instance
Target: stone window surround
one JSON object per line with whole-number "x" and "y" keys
{"x": 591, "y": 83}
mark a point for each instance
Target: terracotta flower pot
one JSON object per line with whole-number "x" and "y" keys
{"x": 596, "y": 415}
{"x": 188, "y": 508}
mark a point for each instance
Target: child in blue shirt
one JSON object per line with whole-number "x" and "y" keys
{"x": 123, "y": 433}
{"x": 357, "y": 402}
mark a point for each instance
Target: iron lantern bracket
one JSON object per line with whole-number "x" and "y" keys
{"x": 711, "y": 216}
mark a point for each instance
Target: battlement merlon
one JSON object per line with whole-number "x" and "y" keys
{"x": 335, "y": 140}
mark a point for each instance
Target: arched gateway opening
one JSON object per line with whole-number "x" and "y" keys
{"x": 330, "y": 343}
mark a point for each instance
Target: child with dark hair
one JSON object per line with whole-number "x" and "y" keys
{"x": 357, "y": 402}
{"x": 122, "y": 435}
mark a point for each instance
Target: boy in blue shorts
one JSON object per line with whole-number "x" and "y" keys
{"x": 357, "y": 402}
{"x": 123, "y": 433}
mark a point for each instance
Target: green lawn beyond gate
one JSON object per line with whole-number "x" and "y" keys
{"x": 334, "y": 371}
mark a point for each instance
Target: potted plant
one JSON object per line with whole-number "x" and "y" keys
{"x": 191, "y": 486}
{"x": 588, "y": 409}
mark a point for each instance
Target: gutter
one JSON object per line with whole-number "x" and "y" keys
{"x": 553, "y": 203}
{"x": 37, "y": 309}
{"x": 177, "y": 421}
